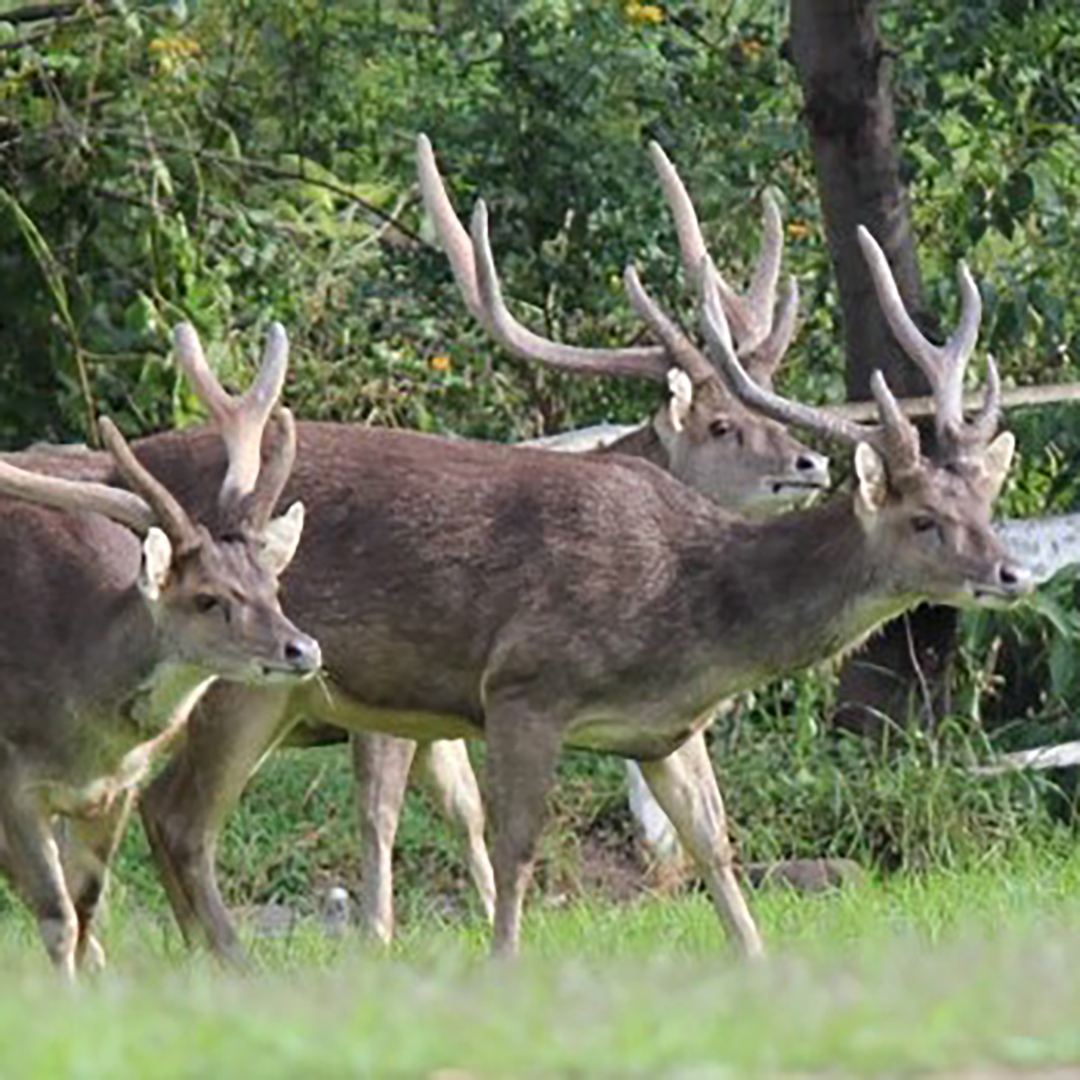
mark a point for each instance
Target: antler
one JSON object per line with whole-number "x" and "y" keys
{"x": 255, "y": 511}
{"x": 241, "y": 420}
{"x": 147, "y": 504}
{"x": 652, "y": 362}
{"x": 762, "y": 333}
{"x": 895, "y": 436}
{"x": 169, "y": 514}
{"x": 943, "y": 365}
{"x": 247, "y": 495}
{"x": 79, "y": 496}
{"x": 647, "y": 361}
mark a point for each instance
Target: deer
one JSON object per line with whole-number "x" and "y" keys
{"x": 744, "y": 461}
{"x": 125, "y": 609}
{"x": 701, "y": 435}
{"x": 483, "y": 600}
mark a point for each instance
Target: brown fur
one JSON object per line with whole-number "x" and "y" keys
{"x": 542, "y": 599}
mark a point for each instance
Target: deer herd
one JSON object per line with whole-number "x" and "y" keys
{"x": 446, "y": 590}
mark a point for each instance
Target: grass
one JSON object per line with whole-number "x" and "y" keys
{"x": 962, "y": 971}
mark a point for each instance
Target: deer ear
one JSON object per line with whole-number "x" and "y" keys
{"x": 682, "y": 397}
{"x": 157, "y": 555}
{"x": 996, "y": 460}
{"x": 281, "y": 537}
{"x": 873, "y": 479}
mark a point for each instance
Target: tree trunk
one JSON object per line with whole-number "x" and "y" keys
{"x": 843, "y": 68}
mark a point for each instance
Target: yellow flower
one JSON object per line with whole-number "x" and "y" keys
{"x": 798, "y": 229}
{"x": 440, "y": 363}
{"x": 175, "y": 46}
{"x": 751, "y": 48}
{"x": 643, "y": 14}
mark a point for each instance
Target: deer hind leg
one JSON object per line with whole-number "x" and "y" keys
{"x": 664, "y": 856}
{"x": 447, "y": 776}
{"x": 87, "y": 849}
{"x": 32, "y": 861}
{"x": 381, "y": 764}
{"x": 230, "y": 732}
{"x": 522, "y": 751}
{"x": 685, "y": 786}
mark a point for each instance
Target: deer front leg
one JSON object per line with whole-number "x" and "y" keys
{"x": 522, "y": 750}
{"x": 87, "y": 849}
{"x": 381, "y": 765}
{"x": 230, "y": 732}
{"x": 685, "y": 786}
{"x": 32, "y": 860}
{"x": 447, "y": 776}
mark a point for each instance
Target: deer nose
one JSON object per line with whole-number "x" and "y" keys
{"x": 1015, "y": 578}
{"x": 303, "y": 655}
{"x": 813, "y": 465}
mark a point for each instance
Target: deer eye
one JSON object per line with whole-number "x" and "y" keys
{"x": 923, "y": 523}
{"x": 720, "y": 427}
{"x": 206, "y": 602}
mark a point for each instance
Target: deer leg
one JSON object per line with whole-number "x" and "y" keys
{"x": 444, "y": 770}
{"x": 230, "y": 732}
{"x": 664, "y": 857}
{"x": 522, "y": 751}
{"x": 33, "y": 864}
{"x": 87, "y": 849}
{"x": 381, "y": 765}
{"x": 685, "y": 786}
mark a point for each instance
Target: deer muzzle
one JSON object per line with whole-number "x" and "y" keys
{"x": 301, "y": 657}
{"x": 1011, "y": 582}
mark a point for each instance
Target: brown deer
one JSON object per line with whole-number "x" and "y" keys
{"x": 538, "y": 600}
{"x": 702, "y": 435}
{"x": 116, "y": 637}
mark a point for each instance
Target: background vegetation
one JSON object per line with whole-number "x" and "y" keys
{"x": 243, "y": 160}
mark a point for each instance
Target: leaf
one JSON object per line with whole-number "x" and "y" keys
{"x": 1020, "y": 193}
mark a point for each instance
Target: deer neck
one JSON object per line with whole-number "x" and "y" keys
{"x": 143, "y": 682}
{"x": 643, "y": 442}
{"x": 798, "y": 589}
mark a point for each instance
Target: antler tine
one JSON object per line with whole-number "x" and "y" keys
{"x": 943, "y": 365}
{"x": 984, "y": 423}
{"x": 648, "y": 361}
{"x": 692, "y": 247}
{"x": 687, "y": 227}
{"x": 84, "y": 496}
{"x": 241, "y": 420}
{"x": 761, "y": 294}
{"x": 899, "y": 436}
{"x": 168, "y": 513}
{"x": 760, "y": 398}
{"x": 767, "y": 357}
{"x": 680, "y": 349}
{"x": 275, "y": 472}
{"x": 452, "y": 235}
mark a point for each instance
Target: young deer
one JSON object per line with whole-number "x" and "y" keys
{"x": 482, "y": 599}
{"x": 702, "y": 435}
{"x": 116, "y": 638}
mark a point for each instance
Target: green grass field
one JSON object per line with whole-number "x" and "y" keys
{"x": 970, "y": 973}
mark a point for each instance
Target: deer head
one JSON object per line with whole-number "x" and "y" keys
{"x": 212, "y": 598}
{"x": 927, "y": 518}
{"x": 741, "y": 460}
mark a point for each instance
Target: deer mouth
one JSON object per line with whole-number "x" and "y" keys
{"x": 277, "y": 673}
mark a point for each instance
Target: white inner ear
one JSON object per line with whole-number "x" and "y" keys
{"x": 157, "y": 557}
{"x": 682, "y": 397}
{"x": 281, "y": 537}
{"x": 997, "y": 459}
{"x": 873, "y": 478}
